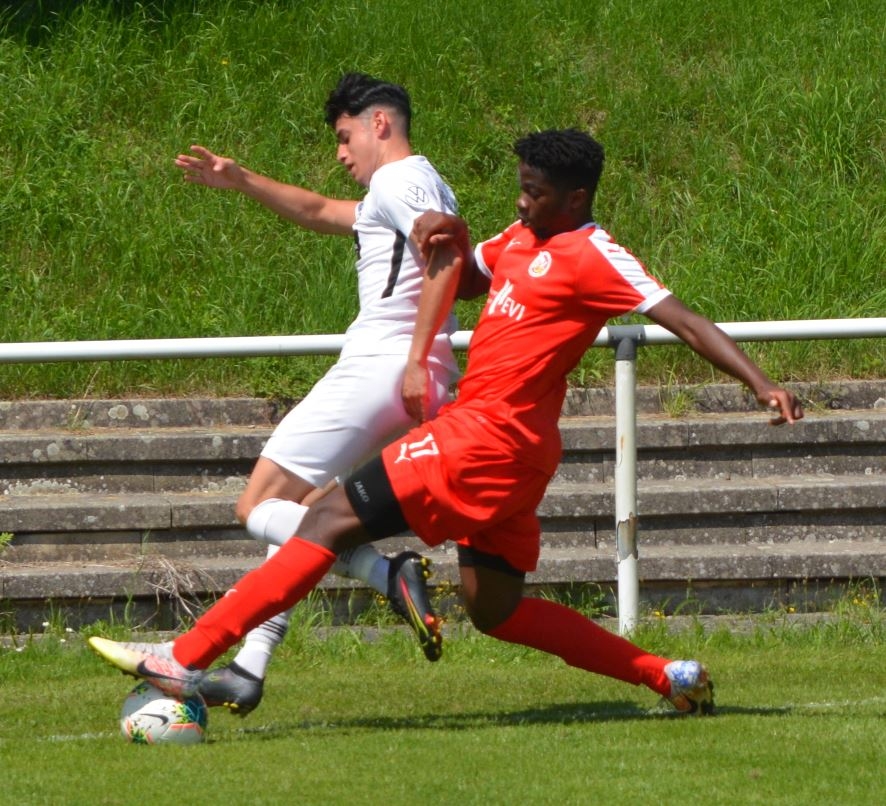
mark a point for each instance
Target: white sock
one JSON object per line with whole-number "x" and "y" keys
{"x": 260, "y": 643}
{"x": 275, "y": 520}
{"x": 364, "y": 563}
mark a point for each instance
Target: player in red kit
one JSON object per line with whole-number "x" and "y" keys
{"x": 476, "y": 473}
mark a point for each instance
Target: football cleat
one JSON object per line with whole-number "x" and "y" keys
{"x": 692, "y": 691}
{"x": 231, "y": 687}
{"x": 152, "y": 662}
{"x": 408, "y": 598}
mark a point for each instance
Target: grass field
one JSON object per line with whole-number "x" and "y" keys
{"x": 350, "y": 721}
{"x": 745, "y": 166}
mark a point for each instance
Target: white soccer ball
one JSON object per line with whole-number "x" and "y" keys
{"x": 149, "y": 716}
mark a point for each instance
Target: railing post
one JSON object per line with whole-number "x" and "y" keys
{"x": 625, "y": 339}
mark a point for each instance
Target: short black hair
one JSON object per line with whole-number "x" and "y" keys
{"x": 569, "y": 158}
{"x": 356, "y": 92}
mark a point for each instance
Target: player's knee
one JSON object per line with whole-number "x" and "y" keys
{"x": 483, "y": 624}
{"x": 242, "y": 509}
{"x": 332, "y": 523}
{"x": 486, "y": 616}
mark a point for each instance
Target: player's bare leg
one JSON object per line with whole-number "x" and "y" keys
{"x": 270, "y": 481}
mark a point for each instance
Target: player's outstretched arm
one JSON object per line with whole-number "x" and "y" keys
{"x": 205, "y": 168}
{"x": 299, "y": 205}
{"x": 706, "y": 339}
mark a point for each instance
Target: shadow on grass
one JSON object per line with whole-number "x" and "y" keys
{"x": 555, "y": 714}
{"x": 761, "y": 710}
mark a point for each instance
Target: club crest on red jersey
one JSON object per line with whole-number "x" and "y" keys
{"x": 540, "y": 264}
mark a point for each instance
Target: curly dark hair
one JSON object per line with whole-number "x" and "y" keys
{"x": 356, "y": 92}
{"x": 569, "y": 158}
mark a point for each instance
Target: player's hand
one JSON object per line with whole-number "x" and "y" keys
{"x": 789, "y": 407}
{"x": 206, "y": 168}
{"x": 432, "y": 228}
{"x": 416, "y": 397}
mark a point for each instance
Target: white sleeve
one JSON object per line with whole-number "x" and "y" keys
{"x": 401, "y": 196}
{"x": 480, "y": 262}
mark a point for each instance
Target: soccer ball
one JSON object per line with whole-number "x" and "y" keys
{"x": 149, "y": 716}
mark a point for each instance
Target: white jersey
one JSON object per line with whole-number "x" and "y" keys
{"x": 357, "y": 407}
{"x": 389, "y": 268}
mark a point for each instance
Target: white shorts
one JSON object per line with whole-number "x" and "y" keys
{"x": 349, "y": 415}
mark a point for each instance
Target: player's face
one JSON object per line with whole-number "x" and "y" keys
{"x": 357, "y": 146}
{"x": 544, "y": 208}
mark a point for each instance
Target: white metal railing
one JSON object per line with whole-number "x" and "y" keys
{"x": 254, "y": 346}
{"x": 624, "y": 339}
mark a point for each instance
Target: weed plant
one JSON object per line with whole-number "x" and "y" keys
{"x": 745, "y": 166}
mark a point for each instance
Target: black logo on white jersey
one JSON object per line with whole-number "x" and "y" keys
{"x": 416, "y": 196}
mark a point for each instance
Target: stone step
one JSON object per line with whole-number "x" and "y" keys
{"x": 109, "y": 461}
{"x": 75, "y": 415}
{"x": 768, "y": 510}
{"x": 126, "y": 505}
{"x": 47, "y": 448}
{"x": 557, "y": 565}
{"x": 71, "y": 415}
{"x": 191, "y": 459}
{"x": 754, "y": 574}
{"x": 728, "y": 445}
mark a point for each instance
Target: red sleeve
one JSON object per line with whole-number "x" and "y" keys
{"x": 617, "y": 282}
{"x": 488, "y": 252}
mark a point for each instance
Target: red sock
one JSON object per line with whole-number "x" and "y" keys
{"x": 273, "y": 587}
{"x": 556, "y": 629}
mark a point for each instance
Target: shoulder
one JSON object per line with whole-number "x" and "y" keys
{"x": 487, "y": 253}
{"x": 600, "y": 239}
{"x": 617, "y": 266}
{"x": 514, "y": 232}
{"x": 414, "y": 169}
{"x": 603, "y": 245}
{"x": 412, "y": 183}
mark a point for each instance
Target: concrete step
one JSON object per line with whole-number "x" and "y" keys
{"x": 75, "y": 415}
{"x": 714, "y": 578}
{"x": 128, "y": 506}
{"x": 588, "y": 508}
{"x": 557, "y": 565}
{"x": 46, "y": 448}
{"x": 70, "y": 415}
{"x": 771, "y": 512}
{"x": 190, "y": 459}
{"x": 116, "y": 461}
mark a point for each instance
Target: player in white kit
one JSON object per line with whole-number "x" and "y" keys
{"x": 378, "y": 388}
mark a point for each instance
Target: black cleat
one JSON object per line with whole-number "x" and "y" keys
{"x": 232, "y": 687}
{"x": 408, "y": 598}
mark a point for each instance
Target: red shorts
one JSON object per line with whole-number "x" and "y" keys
{"x": 454, "y": 480}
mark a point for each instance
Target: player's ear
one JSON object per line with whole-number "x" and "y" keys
{"x": 380, "y": 123}
{"x": 578, "y": 199}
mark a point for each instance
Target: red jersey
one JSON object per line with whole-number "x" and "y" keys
{"x": 548, "y": 301}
